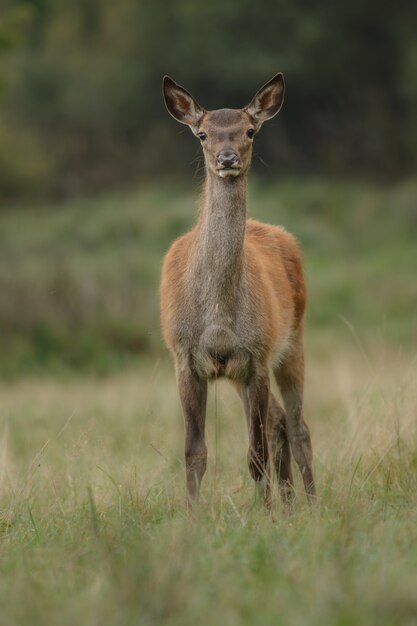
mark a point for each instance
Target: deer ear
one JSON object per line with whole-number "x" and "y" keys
{"x": 181, "y": 104}
{"x": 267, "y": 101}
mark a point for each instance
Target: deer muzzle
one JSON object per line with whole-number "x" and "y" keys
{"x": 228, "y": 163}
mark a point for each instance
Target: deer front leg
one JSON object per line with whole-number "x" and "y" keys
{"x": 193, "y": 395}
{"x": 257, "y": 405}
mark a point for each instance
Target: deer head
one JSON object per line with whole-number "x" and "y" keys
{"x": 226, "y": 135}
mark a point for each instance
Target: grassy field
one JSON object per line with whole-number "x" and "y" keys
{"x": 92, "y": 523}
{"x": 89, "y": 268}
{"x": 93, "y": 528}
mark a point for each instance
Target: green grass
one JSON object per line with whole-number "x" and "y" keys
{"x": 89, "y": 269}
{"x": 93, "y": 528}
{"x": 92, "y": 523}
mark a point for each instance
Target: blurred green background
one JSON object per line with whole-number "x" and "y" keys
{"x": 96, "y": 179}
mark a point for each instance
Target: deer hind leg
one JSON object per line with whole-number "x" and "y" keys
{"x": 290, "y": 378}
{"x": 279, "y": 450}
{"x": 255, "y": 398}
{"x": 193, "y": 394}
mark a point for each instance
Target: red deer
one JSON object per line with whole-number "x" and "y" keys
{"x": 233, "y": 299}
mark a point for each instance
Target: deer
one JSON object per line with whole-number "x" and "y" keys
{"x": 233, "y": 298}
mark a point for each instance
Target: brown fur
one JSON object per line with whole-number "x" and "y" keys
{"x": 233, "y": 299}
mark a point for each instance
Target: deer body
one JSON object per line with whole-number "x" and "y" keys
{"x": 232, "y": 304}
{"x": 215, "y": 277}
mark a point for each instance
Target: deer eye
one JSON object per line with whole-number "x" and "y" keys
{"x": 202, "y": 136}
{"x": 250, "y": 133}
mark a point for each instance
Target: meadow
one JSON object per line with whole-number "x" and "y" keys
{"x": 93, "y": 528}
{"x": 89, "y": 268}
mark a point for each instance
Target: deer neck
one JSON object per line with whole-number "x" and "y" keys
{"x": 220, "y": 233}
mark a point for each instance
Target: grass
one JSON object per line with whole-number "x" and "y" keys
{"x": 92, "y": 523}
{"x": 90, "y": 268}
{"x": 93, "y": 527}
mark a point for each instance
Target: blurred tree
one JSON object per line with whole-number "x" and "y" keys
{"x": 87, "y": 83}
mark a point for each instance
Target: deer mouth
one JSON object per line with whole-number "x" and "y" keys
{"x": 224, "y": 172}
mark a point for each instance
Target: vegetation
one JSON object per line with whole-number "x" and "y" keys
{"x": 82, "y": 107}
{"x": 79, "y": 281}
{"x": 93, "y": 528}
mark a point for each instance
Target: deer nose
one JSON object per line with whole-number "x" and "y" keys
{"x": 227, "y": 159}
